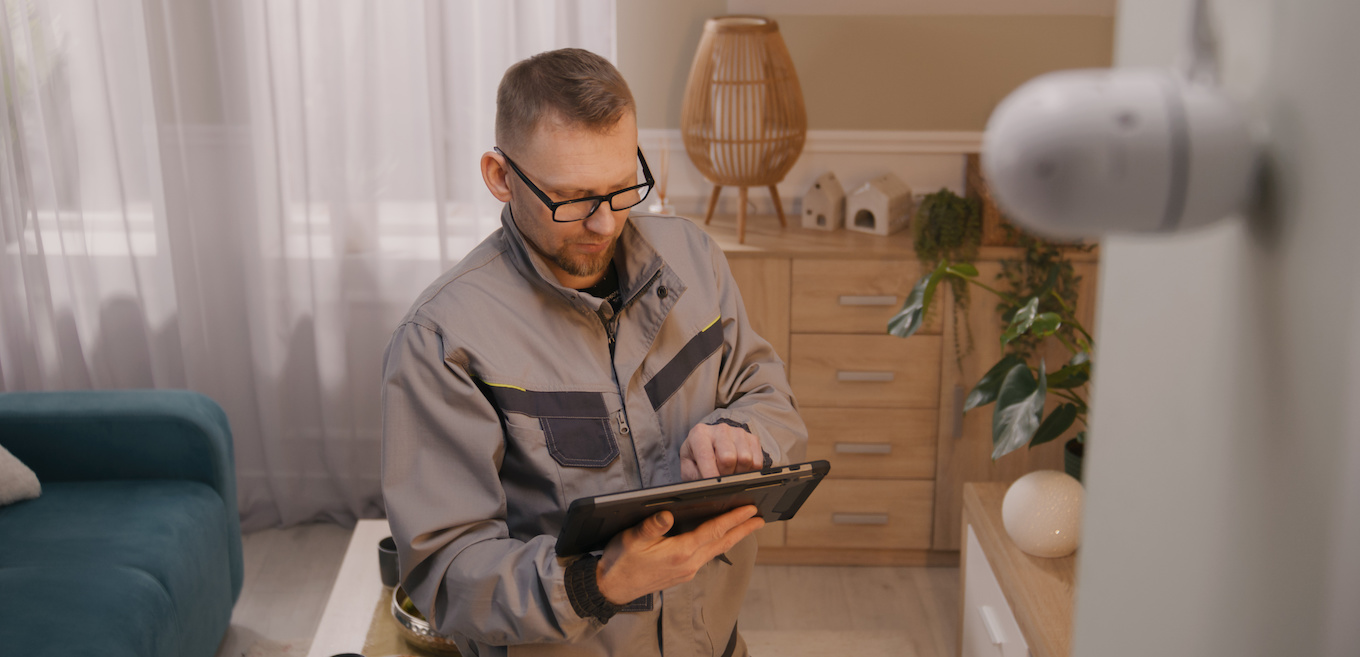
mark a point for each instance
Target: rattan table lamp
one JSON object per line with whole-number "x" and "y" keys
{"x": 743, "y": 121}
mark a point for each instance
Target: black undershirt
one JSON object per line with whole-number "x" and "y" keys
{"x": 607, "y": 288}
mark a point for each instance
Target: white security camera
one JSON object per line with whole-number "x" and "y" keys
{"x": 1091, "y": 152}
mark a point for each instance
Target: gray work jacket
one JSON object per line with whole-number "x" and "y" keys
{"x": 502, "y": 404}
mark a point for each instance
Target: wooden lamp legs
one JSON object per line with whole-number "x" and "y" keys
{"x": 712, "y": 203}
{"x": 741, "y": 209}
{"x": 778, "y": 206}
{"x": 741, "y": 215}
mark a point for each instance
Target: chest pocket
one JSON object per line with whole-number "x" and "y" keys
{"x": 576, "y": 425}
{"x": 583, "y": 442}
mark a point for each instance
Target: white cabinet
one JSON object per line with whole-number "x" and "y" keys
{"x": 989, "y": 627}
{"x": 1013, "y": 604}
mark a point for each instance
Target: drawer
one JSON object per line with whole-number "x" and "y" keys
{"x": 857, "y": 513}
{"x": 989, "y": 626}
{"x": 854, "y": 296}
{"x": 771, "y": 535}
{"x": 874, "y": 443}
{"x": 877, "y": 371}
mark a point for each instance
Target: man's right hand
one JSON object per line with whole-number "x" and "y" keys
{"x": 643, "y": 560}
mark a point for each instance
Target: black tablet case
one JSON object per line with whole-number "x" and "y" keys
{"x": 778, "y": 493}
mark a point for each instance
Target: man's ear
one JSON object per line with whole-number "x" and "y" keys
{"x": 496, "y": 175}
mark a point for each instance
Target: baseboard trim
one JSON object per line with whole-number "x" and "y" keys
{"x": 944, "y": 142}
{"x": 923, "y": 8}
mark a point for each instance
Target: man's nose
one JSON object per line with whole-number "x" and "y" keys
{"x": 603, "y": 221}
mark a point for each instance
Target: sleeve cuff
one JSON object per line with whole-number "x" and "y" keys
{"x": 732, "y": 423}
{"x": 584, "y": 592}
{"x": 768, "y": 462}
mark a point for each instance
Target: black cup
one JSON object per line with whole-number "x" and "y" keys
{"x": 387, "y": 562}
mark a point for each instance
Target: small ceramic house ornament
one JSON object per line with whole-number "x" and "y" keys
{"x": 824, "y": 203}
{"x": 882, "y": 206}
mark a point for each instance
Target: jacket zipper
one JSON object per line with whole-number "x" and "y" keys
{"x": 610, "y": 329}
{"x": 641, "y": 290}
{"x": 611, "y": 326}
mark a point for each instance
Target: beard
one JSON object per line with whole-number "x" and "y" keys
{"x": 584, "y": 264}
{"x": 574, "y": 264}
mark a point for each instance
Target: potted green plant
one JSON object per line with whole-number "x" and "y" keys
{"x": 948, "y": 227}
{"x": 1019, "y": 389}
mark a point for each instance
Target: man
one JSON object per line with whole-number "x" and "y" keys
{"x": 576, "y": 351}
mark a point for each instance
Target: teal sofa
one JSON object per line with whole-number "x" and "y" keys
{"x": 134, "y": 546}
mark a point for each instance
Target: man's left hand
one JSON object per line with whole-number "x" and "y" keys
{"x": 716, "y": 450}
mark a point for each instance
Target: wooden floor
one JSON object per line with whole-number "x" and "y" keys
{"x": 288, "y": 578}
{"x": 788, "y": 611}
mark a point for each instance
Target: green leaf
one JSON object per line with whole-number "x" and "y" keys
{"x": 1045, "y": 324}
{"x": 1057, "y": 422}
{"x": 1070, "y": 376}
{"x": 1080, "y": 357}
{"x": 912, "y": 316}
{"x": 1019, "y": 408}
{"x": 1081, "y": 437}
{"x": 963, "y": 269}
{"x": 1021, "y": 322}
{"x": 990, "y": 384}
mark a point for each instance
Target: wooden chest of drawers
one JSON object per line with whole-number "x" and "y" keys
{"x": 886, "y": 412}
{"x": 871, "y": 398}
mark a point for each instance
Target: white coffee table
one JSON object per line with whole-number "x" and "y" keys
{"x": 349, "y": 611}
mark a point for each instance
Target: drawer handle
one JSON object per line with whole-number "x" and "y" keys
{"x": 993, "y": 626}
{"x": 863, "y": 300}
{"x": 863, "y": 448}
{"x": 859, "y": 518}
{"x": 877, "y": 377}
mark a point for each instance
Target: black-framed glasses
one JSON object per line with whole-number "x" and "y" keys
{"x": 578, "y": 209}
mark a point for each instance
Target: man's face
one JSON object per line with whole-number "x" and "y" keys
{"x": 569, "y": 162}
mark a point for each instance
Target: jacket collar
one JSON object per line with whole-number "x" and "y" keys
{"x": 637, "y": 259}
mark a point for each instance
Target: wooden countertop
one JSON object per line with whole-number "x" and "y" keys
{"x": 766, "y": 239}
{"x": 1038, "y": 590}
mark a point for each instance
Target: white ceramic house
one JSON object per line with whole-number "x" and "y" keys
{"x": 882, "y": 206}
{"x": 824, "y": 203}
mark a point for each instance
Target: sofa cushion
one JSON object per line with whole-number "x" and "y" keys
{"x": 175, "y": 532}
{"x": 84, "y": 609}
{"x": 17, "y": 482}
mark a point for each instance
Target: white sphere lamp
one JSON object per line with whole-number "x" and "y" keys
{"x": 1042, "y": 513}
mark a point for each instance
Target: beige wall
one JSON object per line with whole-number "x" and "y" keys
{"x": 657, "y": 39}
{"x": 868, "y": 72}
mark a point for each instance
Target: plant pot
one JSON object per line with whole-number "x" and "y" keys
{"x": 1072, "y": 454}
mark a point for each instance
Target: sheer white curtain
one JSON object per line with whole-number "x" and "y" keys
{"x": 242, "y": 197}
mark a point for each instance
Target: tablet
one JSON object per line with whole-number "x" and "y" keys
{"x": 777, "y": 493}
